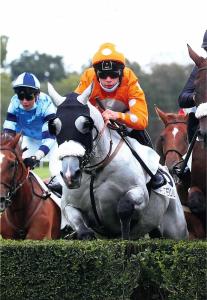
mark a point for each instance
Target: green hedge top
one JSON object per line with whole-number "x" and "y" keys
{"x": 103, "y": 269}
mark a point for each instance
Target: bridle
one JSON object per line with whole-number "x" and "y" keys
{"x": 202, "y": 68}
{"x": 15, "y": 184}
{"x": 173, "y": 149}
{"x": 103, "y": 162}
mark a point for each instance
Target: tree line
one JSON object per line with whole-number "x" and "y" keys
{"x": 162, "y": 84}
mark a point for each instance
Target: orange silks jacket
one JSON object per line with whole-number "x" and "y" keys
{"x": 129, "y": 96}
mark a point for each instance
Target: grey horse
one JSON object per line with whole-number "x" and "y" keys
{"x": 105, "y": 187}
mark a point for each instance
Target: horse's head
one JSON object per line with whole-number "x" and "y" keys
{"x": 173, "y": 142}
{"x": 200, "y": 92}
{"x": 11, "y": 168}
{"x": 73, "y": 128}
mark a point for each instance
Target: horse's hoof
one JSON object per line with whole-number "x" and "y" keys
{"x": 71, "y": 236}
{"x": 86, "y": 235}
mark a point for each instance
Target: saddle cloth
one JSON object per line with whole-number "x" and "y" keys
{"x": 168, "y": 189}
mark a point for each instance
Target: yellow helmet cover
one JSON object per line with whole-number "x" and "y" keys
{"x": 107, "y": 51}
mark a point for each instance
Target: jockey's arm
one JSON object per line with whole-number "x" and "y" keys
{"x": 10, "y": 122}
{"x": 48, "y": 140}
{"x": 137, "y": 115}
{"x": 186, "y": 97}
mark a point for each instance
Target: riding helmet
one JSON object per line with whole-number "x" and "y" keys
{"x": 27, "y": 80}
{"x": 204, "y": 44}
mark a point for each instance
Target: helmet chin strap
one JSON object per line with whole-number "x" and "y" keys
{"x": 111, "y": 89}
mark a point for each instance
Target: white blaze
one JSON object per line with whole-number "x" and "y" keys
{"x": 174, "y": 132}
{"x": 1, "y": 157}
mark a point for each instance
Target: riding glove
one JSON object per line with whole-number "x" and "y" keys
{"x": 31, "y": 162}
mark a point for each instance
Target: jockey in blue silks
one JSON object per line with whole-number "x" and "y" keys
{"x": 28, "y": 113}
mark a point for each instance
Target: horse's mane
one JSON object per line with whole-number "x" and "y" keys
{"x": 96, "y": 115}
{"x": 8, "y": 140}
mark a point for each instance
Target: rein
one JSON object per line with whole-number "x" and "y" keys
{"x": 108, "y": 157}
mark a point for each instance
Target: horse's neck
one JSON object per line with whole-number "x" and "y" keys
{"x": 106, "y": 140}
{"x": 104, "y": 145}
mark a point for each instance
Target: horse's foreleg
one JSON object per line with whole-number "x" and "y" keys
{"x": 125, "y": 210}
{"x": 6, "y": 231}
{"x": 174, "y": 225}
{"x": 75, "y": 220}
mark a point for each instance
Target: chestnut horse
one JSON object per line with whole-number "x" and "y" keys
{"x": 28, "y": 212}
{"x": 197, "y": 192}
{"x": 172, "y": 145}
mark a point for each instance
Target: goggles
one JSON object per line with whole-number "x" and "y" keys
{"x": 23, "y": 95}
{"x": 105, "y": 74}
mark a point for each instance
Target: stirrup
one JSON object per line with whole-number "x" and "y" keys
{"x": 158, "y": 180}
{"x": 54, "y": 185}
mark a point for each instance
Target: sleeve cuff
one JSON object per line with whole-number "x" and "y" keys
{"x": 39, "y": 154}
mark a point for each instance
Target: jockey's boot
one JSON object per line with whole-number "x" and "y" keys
{"x": 184, "y": 175}
{"x": 54, "y": 185}
{"x": 158, "y": 180}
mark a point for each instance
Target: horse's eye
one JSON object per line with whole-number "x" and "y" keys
{"x": 84, "y": 124}
{"x": 162, "y": 138}
{"x": 11, "y": 165}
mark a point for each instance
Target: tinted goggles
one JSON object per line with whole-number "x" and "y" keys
{"x": 105, "y": 74}
{"x": 25, "y": 95}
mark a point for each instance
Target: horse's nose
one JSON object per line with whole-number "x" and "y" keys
{"x": 71, "y": 172}
{"x": 74, "y": 181}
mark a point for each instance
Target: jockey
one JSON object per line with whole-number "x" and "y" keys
{"x": 186, "y": 102}
{"x": 28, "y": 113}
{"x": 187, "y": 96}
{"x": 116, "y": 87}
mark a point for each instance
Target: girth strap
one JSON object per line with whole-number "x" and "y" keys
{"x": 93, "y": 203}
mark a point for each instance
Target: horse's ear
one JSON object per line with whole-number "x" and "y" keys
{"x": 194, "y": 56}
{"x": 56, "y": 98}
{"x": 83, "y": 98}
{"x": 15, "y": 140}
{"x": 161, "y": 115}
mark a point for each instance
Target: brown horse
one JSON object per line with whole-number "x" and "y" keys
{"x": 28, "y": 212}
{"x": 197, "y": 193}
{"x": 172, "y": 145}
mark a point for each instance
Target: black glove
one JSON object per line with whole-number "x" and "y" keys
{"x": 31, "y": 162}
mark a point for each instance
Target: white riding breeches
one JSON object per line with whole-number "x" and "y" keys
{"x": 33, "y": 145}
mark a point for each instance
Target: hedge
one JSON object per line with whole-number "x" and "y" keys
{"x": 103, "y": 270}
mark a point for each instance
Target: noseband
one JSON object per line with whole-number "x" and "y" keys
{"x": 15, "y": 185}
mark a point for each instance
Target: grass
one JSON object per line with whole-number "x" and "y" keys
{"x": 43, "y": 171}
